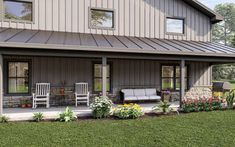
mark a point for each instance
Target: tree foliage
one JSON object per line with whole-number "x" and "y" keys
{"x": 233, "y": 41}
{"x": 224, "y": 31}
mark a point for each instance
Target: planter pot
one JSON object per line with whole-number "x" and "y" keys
{"x": 23, "y": 106}
{"x": 29, "y": 105}
{"x": 62, "y": 91}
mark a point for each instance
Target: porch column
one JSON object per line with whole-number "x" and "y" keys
{"x": 182, "y": 81}
{"x": 104, "y": 75}
{"x": 1, "y": 85}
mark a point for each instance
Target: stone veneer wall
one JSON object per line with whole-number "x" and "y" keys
{"x": 199, "y": 92}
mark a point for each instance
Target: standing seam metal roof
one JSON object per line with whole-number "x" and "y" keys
{"x": 21, "y": 38}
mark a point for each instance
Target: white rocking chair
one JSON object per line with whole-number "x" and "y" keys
{"x": 41, "y": 95}
{"x": 81, "y": 93}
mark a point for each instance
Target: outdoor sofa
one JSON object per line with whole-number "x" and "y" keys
{"x": 140, "y": 94}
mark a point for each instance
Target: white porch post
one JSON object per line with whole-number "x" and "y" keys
{"x": 182, "y": 81}
{"x": 1, "y": 85}
{"x": 104, "y": 75}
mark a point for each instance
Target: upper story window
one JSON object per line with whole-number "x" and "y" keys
{"x": 100, "y": 18}
{"x": 175, "y": 25}
{"x": 18, "y": 10}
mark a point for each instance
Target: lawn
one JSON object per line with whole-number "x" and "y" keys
{"x": 195, "y": 129}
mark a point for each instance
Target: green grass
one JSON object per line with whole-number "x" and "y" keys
{"x": 195, "y": 129}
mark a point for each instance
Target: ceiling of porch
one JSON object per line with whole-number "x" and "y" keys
{"x": 21, "y": 38}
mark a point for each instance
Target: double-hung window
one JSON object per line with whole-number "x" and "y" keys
{"x": 170, "y": 77}
{"x": 98, "y": 78}
{"x": 18, "y": 77}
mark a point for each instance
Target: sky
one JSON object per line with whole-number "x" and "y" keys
{"x": 212, "y": 3}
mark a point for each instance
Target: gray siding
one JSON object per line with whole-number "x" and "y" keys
{"x": 125, "y": 73}
{"x": 140, "y": 18}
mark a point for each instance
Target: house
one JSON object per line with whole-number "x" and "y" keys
{"x": 109, "y": 44}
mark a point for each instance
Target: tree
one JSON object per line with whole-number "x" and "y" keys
{"x": 223, "y": 32}
{"x": 233, "y": 41}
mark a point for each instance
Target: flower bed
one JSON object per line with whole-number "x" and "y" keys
{"x": 201, "y": 104}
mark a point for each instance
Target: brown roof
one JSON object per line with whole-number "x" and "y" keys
{"x": 21, "y": 38}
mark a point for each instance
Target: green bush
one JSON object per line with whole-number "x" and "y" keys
{"x": 67, "y": 116}
{"x": 230, "y": 99}
{"x": 38, "y": 117}
{"x": 163, "y": 107}
{"x": 101, "y": 107}
{"x": 196, "y": 105}
{"x": 4, "y": 119}
{"x": 128, "y": 111}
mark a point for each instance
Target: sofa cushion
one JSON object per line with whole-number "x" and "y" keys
{"x": 142, "y": 98}
{"x": 150, "y": 92}
{"x": 131, "y": 98}
{"x": 128, "y": 92}
{"x": 155, "y": 97}
{"x": 139, "y": 92}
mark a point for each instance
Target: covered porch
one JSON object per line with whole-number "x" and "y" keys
{"x": 107, "y": 63}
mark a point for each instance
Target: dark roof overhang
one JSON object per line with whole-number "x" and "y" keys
{"x": 215, "y": 17}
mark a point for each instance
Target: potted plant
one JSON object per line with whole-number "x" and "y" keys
{"x": 23, "y": 103}
{"x": 166, "y": 95}
{"x": 62, "y": 88}
{"x": 29, "y": 104}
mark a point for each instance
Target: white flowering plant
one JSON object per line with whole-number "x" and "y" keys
{"x": 101, "y": 107}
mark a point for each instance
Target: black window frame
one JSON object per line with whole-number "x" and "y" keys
{"x": 17, "y": 20}
{"x": 104, "y": 10}
{"x": 175, "y": 33}
{"x": 6, "y": 75}
{"x": 175, "y": 77}
{"x": 110, "y": 77}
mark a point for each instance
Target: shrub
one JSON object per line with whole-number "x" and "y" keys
{"x": 128, "y": 111}
{"x": 230, "y": 99}
{"x": 38, "y": 117}
{"x": 101, "y": 107}
{"x": 67, "y": 116}
{"x": 201, "y": 104}
{"x": 163, "y": 107}
{"x": 4, "y": 119}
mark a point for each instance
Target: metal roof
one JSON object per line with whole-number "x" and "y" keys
{"x": 21, "y": 38}
{"x": 215, "y": 17}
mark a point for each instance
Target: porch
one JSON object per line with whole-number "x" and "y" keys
{"x": 107, "y": 63}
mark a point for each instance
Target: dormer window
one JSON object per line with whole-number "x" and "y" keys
{"x": 101, "y": 18}
{"x": 175, "y": 25}
{"x": 18, "y": 10}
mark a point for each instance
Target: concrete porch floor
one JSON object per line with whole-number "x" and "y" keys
{"x": 24, "y": 114}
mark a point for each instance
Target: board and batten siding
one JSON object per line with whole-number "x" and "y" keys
{"x": 139, "y": 18}
{"x": 125, "y": 73}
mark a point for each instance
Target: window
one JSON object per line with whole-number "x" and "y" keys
{"x": 175, "y": 25}
{"x": 18, "y": 78}
{"x": 101, "y": 18}
{"x": 171, "y": 77}
{"x": 98, "y": 78}
{"x": 18, "y": 10}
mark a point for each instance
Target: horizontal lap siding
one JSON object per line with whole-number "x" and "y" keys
{"x": 140, "y": 18}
